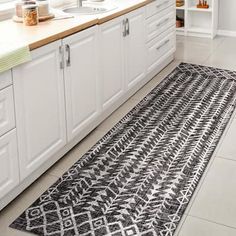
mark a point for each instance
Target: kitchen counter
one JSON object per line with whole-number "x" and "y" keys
{"x": 52, "y": 30}
{"x": 72, "y": 84}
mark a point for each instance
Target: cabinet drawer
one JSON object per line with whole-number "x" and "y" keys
{"x": 158, "y": 48}
{"x": 158, "y": 6}
{"x": 5, "y": 79}
{"x": 7, "y": 114}
{"x": 160, "y": 22}
{"x": 9, "y": 168}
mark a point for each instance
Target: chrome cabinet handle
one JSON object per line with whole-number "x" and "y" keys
{"x": 167, "y": 41}
{"x": 68, "y": 63}
{"x": 127, "y": 23}
{"x": 162, "y": 22}
{"x": 62, "y": 57}
{"x": 124, "y": 28}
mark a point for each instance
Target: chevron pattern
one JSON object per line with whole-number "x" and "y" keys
{"x": 139, "y": 178}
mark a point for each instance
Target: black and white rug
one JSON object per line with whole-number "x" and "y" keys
{"x": 139, "y": 178}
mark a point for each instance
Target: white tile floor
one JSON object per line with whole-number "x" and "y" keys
{"x": 212, "y": 210}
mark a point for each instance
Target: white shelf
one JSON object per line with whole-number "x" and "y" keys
{"x": 180, "y": 8}
{"x": 180, "y": 29}
{"x": 194, "y": 8}
{"x": 199, "y": 30}
{"x": 200, "y": 22}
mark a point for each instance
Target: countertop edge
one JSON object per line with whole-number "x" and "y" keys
{"x": 61, "y": 35}
{"x": 123, "y": 12}
{"x": 85, "y": 25}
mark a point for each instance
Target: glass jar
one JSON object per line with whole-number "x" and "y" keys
{"x": 18, "y": 8}
{"x": 30, "y": 14}
{"x": 43, "y": 7}
{"x": 19, "y": 5}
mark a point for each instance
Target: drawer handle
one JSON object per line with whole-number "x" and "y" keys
{"x": 167, "y": 41}
{"x": 162, "y": 22}
{"x": 61, "y": 57}
{"x": 158, "y": 6}
{"x": 124, "y": 28}
{"x": 127, "y": 23}
{"x": 68, "y": 63}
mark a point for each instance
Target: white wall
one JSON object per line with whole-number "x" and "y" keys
{"x": 227, "y": 15}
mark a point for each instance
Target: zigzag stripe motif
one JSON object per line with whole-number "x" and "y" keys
{"x": 197, "y": 175}
{"x": 120, "y": 192}
{"x": 139, "y": 178}
{"x": 198, "y": 154}
{"x": 69, "y": 176}
{"x": 139, "y": 211}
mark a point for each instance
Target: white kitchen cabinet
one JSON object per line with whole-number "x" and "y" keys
{"x": 81, "y": 81}
{"x": 40, "y": 108}
{"x": 5, "y": 79}
{"x": 7, "y": 114}
{"x": 73, "y": 84}
{"x": 135, "y": 49}
{"x": 159, "y": 48}
{"x": 123, "y": 55}
{"x": 9, "y": 169}
{"x": 161, "y": 39}
{"x": 112, "y": 61}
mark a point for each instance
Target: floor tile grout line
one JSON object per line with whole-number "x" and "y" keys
{"x": 218, "y": 45}
{"x": 212, "y": 53}
{"x": 209, "y": 54}
{"x": 226, "y": 158}
{"x": 211, "y": 221}
{"x": 197, "y": 190}
{"x": 214, "y": 156}
{"x": 179, "y": 228}
{"x": 200, "y": 184}
{"x": 208, "y": 167}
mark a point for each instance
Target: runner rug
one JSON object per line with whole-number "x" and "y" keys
{"x": 139, "y": 178}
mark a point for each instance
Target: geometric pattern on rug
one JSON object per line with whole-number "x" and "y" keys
{"x": 139, "y": 178}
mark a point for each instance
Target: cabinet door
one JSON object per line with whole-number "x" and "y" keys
{"x": 112, "y": 61}
{"x": 40, "y": 107}
{"x": 5, "y": 79}
{"x": 7, "y": 115}
{"x": 9, "y": 169}
{"x": 81, "y": 81}
{"x": 135, "y": 48}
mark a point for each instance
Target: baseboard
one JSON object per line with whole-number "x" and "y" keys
{"x": 228, "y": 33}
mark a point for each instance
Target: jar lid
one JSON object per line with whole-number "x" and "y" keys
{"x": 30, "y": 2}
{"x": 30, "y": 6}
{"x": 25, "y": 2}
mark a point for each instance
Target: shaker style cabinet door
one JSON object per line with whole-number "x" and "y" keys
{"x": 40, "y": 107}
{"x": 9, "y": 169}
{"x": 135, "y": 47}
{"x": 7, "y": 114}
{"x": 81, "y": 81}
{"x": 112, "y": 61}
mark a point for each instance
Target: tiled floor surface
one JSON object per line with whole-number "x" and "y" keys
{"x": 212, "y": 210}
